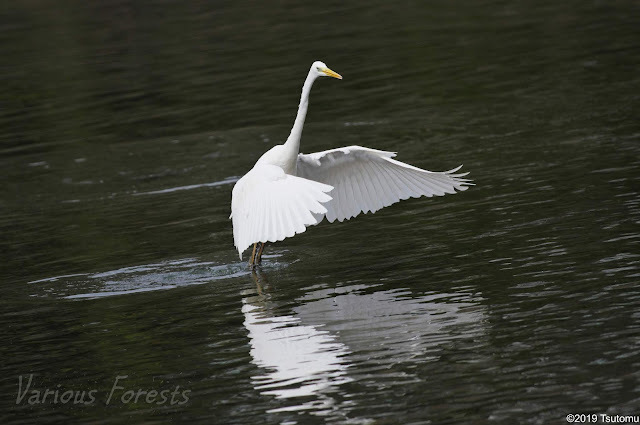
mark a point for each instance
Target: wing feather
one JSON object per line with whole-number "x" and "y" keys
{"x": 343, "y": 199}
{"x": 362, "y": 189}
{"x": 400, "y": 184}
{"x": 425, "y": 186}
{"x": 387, "y": 192}
{"x": 366, "y": 184}
{"x": 376, "y": 196}
{"x": 358, "y": 198}
{"x": 351, "y": 195}
{"x": 268, "y": 205}
{"x": 366, "y": 180}
{"x": 412, "y": 184}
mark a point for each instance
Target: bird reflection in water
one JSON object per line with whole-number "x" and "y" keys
{"x": 301, "y": 361}
{"x": 338, "y": 334}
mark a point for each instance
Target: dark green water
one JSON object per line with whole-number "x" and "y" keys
{"x": 123, "y": 127}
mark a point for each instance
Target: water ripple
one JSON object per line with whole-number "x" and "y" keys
{"x": 136, "y": 279}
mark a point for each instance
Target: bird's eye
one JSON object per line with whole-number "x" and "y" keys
{"x": 318, "y": 69}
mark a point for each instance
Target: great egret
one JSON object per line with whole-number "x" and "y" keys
{"x": 287, "y": 191}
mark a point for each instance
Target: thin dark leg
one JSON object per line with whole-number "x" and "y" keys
{"x": 253, "y": 255}
{"x": 259, "y": 259}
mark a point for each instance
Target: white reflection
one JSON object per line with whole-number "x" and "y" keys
{"x": 394, "y": 324}
{"x": 300, "y": 360}
{"x": 354, "y": 333}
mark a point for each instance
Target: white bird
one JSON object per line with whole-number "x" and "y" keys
{"x": 287, "y": 191}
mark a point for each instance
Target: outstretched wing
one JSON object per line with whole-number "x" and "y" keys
{"x": 268, "y": 205}
{"x": 366, "y": 180}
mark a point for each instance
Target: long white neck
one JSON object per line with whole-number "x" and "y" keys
{"x": 293, "y": 141}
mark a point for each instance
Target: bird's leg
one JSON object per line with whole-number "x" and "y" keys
{"x": 258, "y": 250}
{"x": 253, "y": 255}
{"x": 259, "y": 259}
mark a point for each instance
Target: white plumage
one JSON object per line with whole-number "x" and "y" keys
{"x": 285, "y": 192}
{"x": 366, "y": 180}
{"x": 269, "y": 205}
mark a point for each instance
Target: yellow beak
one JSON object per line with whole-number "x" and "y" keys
{"x": 331, "y": 73}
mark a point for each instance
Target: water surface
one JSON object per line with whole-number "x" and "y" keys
{"x": 125, "y": 126}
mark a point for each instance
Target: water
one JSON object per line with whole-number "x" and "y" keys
{"x": 124, "y": 127}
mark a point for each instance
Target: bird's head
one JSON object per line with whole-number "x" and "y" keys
{"x": 321, "y": 70}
